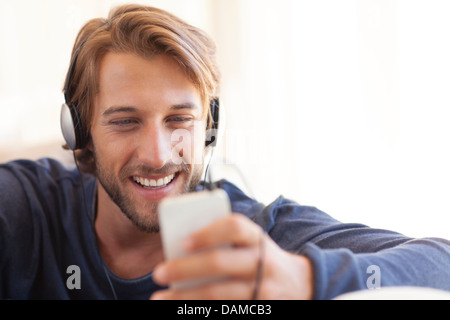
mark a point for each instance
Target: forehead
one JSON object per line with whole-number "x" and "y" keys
{"x": 126, "y": 78}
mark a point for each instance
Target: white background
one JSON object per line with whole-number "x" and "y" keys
{"x": 339, "y": 104}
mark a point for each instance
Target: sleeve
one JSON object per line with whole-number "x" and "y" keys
{"x": 351, "y": 257}
{"x": 417, "y": 262}
{"x": 16, "y": 232}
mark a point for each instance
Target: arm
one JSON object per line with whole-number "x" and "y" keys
{"x": 417, "y": 262}
{"x": 345, "y": 256}
{"x": 331, "y": 258}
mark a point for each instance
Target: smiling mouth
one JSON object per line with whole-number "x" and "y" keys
{"x": 154, "y": 184}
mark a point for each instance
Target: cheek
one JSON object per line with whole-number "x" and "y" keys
{"x": 197, "y": 147}
{"x": 188, "y": 146}
{"x": 109, "y": 152}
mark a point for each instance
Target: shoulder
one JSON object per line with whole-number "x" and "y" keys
{"x": 42, "y": 168}
{"x": 240, "y": 202}
{"x": 288, "y": 222}
{"x": 38, "y": 195}
{"x": 44, "y": 184}
{"x": 281, "y": 210}
{"x": 39, "y": 174}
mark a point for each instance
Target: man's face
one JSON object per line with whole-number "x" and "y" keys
{"x": 141, "y": 105}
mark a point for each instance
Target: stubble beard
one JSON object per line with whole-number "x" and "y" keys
{"x": 146, "y": 219}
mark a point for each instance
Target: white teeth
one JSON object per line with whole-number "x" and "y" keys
{"x": 154, "y": 183}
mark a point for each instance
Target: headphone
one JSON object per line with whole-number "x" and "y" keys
{"x": 75, "y": 132}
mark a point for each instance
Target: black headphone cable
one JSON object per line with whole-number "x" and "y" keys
{"x": 93, "y": 227}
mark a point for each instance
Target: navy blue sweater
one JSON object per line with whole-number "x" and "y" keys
{"x": 46, "y": 230}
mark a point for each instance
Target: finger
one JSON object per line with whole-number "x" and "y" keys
{"x": 220, "y": 262}
{"x": 235, "y": 229}
{"x": 224, "y": 290}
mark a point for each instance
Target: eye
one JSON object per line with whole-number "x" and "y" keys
{"x": 126, "y": 122}
{"x": 179, "y": 120}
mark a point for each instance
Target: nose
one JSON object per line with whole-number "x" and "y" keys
{"x": 153, "y": 146}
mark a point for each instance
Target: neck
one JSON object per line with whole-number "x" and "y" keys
{"x": 127, "y": 251}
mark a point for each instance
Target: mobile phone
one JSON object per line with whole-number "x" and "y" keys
{"x": 183, "y": 215}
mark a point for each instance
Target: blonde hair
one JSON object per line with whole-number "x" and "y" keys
{"x": 145, "y": 31}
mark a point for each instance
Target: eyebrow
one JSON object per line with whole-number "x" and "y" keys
{"x": 184, "y": 106}
{"x": 113, "y": 110}
{"x": 127, "y": 109}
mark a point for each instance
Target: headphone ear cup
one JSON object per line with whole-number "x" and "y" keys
{"x": 212, "y": 134}
{"x": 67, "y": 127}
{"x": 72, "y": 128}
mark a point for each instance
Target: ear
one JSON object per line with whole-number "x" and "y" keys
{"x": 90, "y": 145}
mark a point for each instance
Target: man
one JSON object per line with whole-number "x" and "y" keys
{"x": 135, "y": 80}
